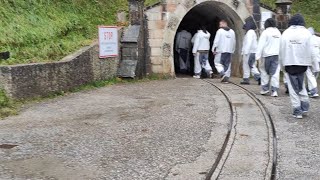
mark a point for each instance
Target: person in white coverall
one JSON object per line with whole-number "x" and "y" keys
{"x": 194, "y": 37}
{"x": 183, "y": 45}
{"x": 268, "y": 54}
{"x": 224, "y": 46}
{"x": 200, "y": 51}
{"x": 295, "y": 58}
{"x": 249, "y": 49}
{"x": 312, "y": 71}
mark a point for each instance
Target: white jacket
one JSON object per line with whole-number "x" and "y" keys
{"x": 250, "y": 43}
{"x": 296, "y": 48}
{"x": 183, "y": 40}
{"x": 202, "y": 42}
{"x": 194, "y": 38}
{"x": 315, "y": 42}
{"x": 225, "y": 41}
{"x": 269, "y": 43}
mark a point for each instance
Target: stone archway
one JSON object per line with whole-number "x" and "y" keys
{"x": 223, "y": 9}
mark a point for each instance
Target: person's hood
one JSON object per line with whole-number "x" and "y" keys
{"x": 270, "y": 23}
{"x": 249, "y": 24}
{"x": 203, "y": 34}
{"x": 297, "y": 20}
{"x": 185, "y": 31}
{"x": 311, "y": 30}
{"x": 226, "y": 28}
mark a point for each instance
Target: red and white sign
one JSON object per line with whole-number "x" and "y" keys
{"x": 108, "y": 41}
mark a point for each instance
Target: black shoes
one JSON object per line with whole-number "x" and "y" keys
{"x": 245, "y": 83}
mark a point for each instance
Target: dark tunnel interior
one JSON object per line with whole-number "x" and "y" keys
{"x": 208, "y": 14}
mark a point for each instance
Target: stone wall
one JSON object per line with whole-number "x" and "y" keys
{"x": 133, "y": 61}
{"x": 42, "y": 79}
{"x": 163, "y": 21}
{"x": 156, "y": 21}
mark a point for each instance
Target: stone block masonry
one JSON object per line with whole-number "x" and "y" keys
{"x": 41, "y": 79}
{"x": 163, "y": 20}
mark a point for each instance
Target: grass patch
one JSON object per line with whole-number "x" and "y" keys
{"x": 42, "y": 31}
{"x": 150, "y": 2}
{"x": 45, "y": 31}
{"x": 7, "y": 106}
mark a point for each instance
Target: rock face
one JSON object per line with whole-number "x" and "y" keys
{"x": 164, "y": 20}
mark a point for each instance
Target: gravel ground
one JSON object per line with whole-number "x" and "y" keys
{"x": 132, "y": 131}
{"x": 298, "y": 140}
{"x": 155, "y": 130}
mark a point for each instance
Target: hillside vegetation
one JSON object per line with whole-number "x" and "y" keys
{"x": 309, "y": 8}
{"x": 151, "y": 2}
{"x": 46, "y": 30}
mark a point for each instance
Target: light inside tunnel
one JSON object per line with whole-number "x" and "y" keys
{"x": 209, "y": 13}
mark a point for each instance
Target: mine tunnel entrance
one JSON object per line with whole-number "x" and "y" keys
{"x": 209, "y": 14}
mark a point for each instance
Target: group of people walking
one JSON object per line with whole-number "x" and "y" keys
{"x": 296, "y": 52}
{"x": 223, "y": 47}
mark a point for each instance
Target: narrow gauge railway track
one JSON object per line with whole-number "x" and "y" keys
{"x": 226, "y": 148}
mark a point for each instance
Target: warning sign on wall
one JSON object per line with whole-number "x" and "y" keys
{"x": 108, "y": 41}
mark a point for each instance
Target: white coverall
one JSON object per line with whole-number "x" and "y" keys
{"x": 310, "y": 74}
{"x": 224, "y": 45}
{"x": 268, "y": 54}
{"x": 201, "y": 49}
{"x": 183, "y": 45}
{"x": 194, "y": 38}
{"x": 249, "y": 47}
{"x": 295, "y": 50}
